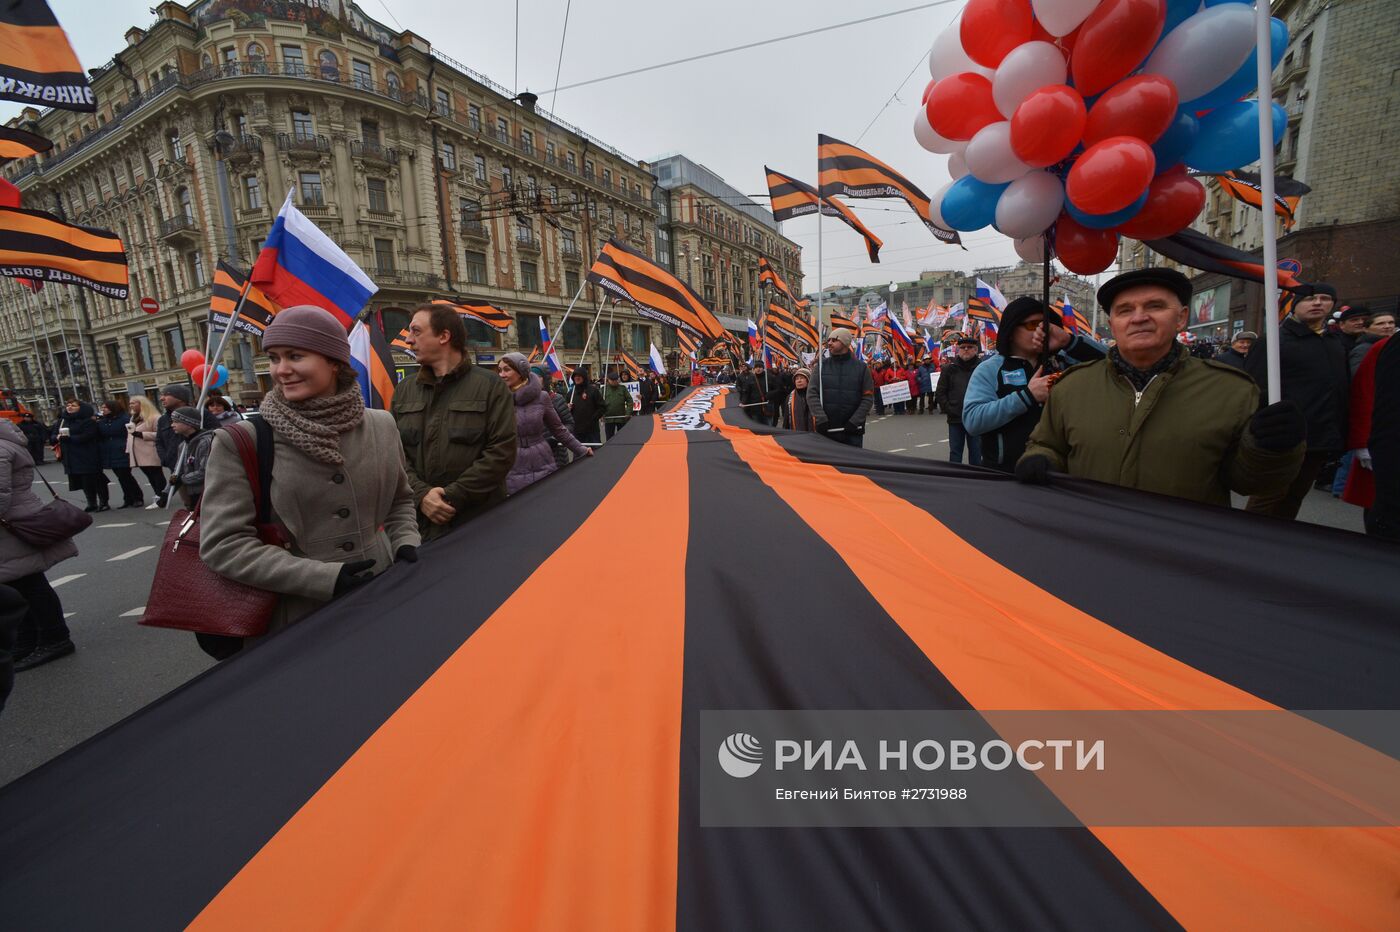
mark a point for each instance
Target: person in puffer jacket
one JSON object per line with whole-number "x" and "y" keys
{"x": 535, "y": 420}
{"x": 561, "y": 408}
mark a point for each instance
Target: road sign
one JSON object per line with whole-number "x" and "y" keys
{"x": 149, "y": 305}
{"x": 1291, "y": 265}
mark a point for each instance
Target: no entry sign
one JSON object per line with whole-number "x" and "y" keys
{"x": 149, "y": 305}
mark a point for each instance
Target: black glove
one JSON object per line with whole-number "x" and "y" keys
{"x": 406, "y": 554}
{"x": 1279, "y": 427}
{"x": 353, "y": 575}
{"x": 822, "y": 427}
{"x": 1033, "y": 470}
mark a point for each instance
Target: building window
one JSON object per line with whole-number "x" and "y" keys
{"x": 252, "y": 191}
{"x": 378, "y": 195}
{"x": 571, "y": 283}
{"x": 113, "y": 353}
{"x": 502, "y": 129}
{"x": 527, "y": 140}
{"x": 239, "y": 124}
{"x": 194, "y": 264}
{"x": 529, "y": 276}
{"x": 256, "y": 55}
{"x": 449, "y": 157}
{"x": 574, "y": 333}
{"x": 174, "y": 340}
{"x": 182, "y": 197}
{"x": 141, "y": 353}
{"x": 607, "y": 177}
{"x": 554, "y": 195}
{"x": 330, "y": 65}
{"x": 302, "y": 125}
{"x": 549, "y": 152}
{"x": 528, "y": 326}
{"x": 364, "y": 77}
{"x": 507, "y": 178}
{"x": 391, "y": 83}
{"x": 474, "y": 118}
{"x": 469, "y": 209}
{"x": 369, "y": 131}
{"x": 475, "y": 267}
{"x": 176, "y": 146}
{"x": 384, "y": 255}
{"x": 229, "y": 56}
{"x": 444, "y": 101}
{"x": 569, "y": 241}
{"x": 312, "y": 194}
{"x": 524, "y": 232}
{"x": 480, "y": 168}
{"x": 570, "y": 162}
{"x": 641, "y": 339}
{"x": 293, "y": 61}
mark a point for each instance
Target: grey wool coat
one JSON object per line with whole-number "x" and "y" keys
{"x": 535, "y": 421}
{"x": 17, "y": 499}
{"x": 360, "y": 510}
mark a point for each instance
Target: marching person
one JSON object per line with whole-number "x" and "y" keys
{"x": 1379, "y": 326}
{"x": 457, "y": 422}
{"x": 617, "y": 405}
{"x": 561, "y": 408}
{"x": 113, "y": 428}
{"x": 796, "y": 414}
{"x": 35, "y": 434}
{"x": 1008, "y": 389}
{"x": 1383, "y": 520}
{"x": 197, "y": 432}
{"x": 339, "y": 488}
{"x": 649, "y": 393}
{"x": 220, "y": 411}
{"x": 923, "y": 372}
{"x": 141, "y": 446}
{"x": 586, "y": 405}
{"x": 1234, "y": 354}
{"x": 1351, "y": 323}
{"x": 842, "y": 391}
{"x": 43, "y": 635}
{"x": 1315, "y": 377}
{"x": 172, "y": 396}
{"x": 80, "y": 447}
{"x": 953, "y": 379}
{"x": 1154, "y": 417}
{"x": 535, "y": 421}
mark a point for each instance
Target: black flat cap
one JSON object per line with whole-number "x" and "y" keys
{"x": 1170, "y": 279}
{"x": 1351, "y": 313}
{"x": 967, "y": 341}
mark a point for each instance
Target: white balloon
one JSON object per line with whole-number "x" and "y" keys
{"x": 957, "y": 165}
{"x": 935, "y": 207}
{"x": 1061, "y": 17}
{"x": 989, "y": 156}
{"x": 1030, "y": 204}
{"x": 1025, "y": 70}
{"x": 1031, "y": 249}
{"x": 928, "y": 137}
{"x": 947, "y": 55}
{"x": 1205, "y": 50}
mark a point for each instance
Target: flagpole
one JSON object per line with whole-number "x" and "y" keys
{"x": 591, "y": 330}
{"x": 63, "y": 336}
{"x": 612, "y": 334}
{"x": 559, "y": 334}
{"x": 1263, "y": 28}
{"x": 1045, "y": 299}
{"x": 39, "y": 361}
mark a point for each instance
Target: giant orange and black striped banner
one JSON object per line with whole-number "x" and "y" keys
{"x": 18, "y": 144}
{"x": 531, "y": 757}
{"x": 494, "y": 317}
{"x": 39, "y": 246}
{"x": 627, "y": 274}
{"x": 257, "y": 311}
{"x": 37, "y": 65}
{"x": 845, "y": 170}
{"x": 791, "y": 198}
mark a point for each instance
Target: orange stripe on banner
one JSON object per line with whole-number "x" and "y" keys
{"x": 1006, "y": 644}
{"x": 532, "y": 782}
{"x": 38, "y": 49}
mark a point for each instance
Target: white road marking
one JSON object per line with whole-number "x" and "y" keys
{"x": 69, "y": 614}
{"x": 127, "y": 524}
{"x": 944, "y": 440}
{"x": 922, "y": 445}
{"x": 134, "y": 613}
{"x": 65, "y": 579}
{"x": 132, "y": 553}
{"x": 898, "y": 450}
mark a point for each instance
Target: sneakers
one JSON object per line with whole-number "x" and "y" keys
{"x": 154, "y": 505}
{"x": 45, "y": 653}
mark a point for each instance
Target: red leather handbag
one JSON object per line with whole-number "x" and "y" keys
{"x": 188, "y": 595}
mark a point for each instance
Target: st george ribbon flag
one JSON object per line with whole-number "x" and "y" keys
{"x": 257, "y": 311}
{"x": 373, "y": 363}
{"x": 625, "y": 273}
{"x": 513, "y": 766}
{"x": 790, "y": 198}
{"x": 37, "y": 63}
{"x": 299, "y": 264}
{"x": 37, "y": 245}
{"x": 845, "y": 170}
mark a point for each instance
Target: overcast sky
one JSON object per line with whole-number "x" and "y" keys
{"x": 733, "y": 113}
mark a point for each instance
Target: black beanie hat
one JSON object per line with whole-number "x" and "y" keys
{"x": 1016, "y": 312}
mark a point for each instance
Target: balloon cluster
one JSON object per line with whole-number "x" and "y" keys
{"x": 1084, "y": 116}
{"x": 200, "y": 372}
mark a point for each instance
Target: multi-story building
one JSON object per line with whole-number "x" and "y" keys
{"x": 1339, "y": 92}
{"x": 436, "y": 180}
{"x": 712, "y": 236}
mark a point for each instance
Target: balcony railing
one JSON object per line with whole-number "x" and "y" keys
{"x": 526, "y": 239}
{"x": 571, "y": 251}
{"x": 302, "y": 142}
{"x": 388, "y": 276}
{"x": 475, "y": 228}
{"x": 373, "y": 151}
{"x": 178, "y": 226}
{"x": 245, "y": 146}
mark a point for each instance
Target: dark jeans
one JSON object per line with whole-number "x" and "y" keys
{"x": 612, "y": 427}
{"x": 94, "y": 486}
{"x": 957, "y": 436}
{"x": 156, "y": 477}
{"x": 1285, "y": 504}
{"x": 131, "y": 492}
{"x": 899, "y": 407}
{"x": 879, "y": 401}
{"x": 12, "y": 609}
{"x": 589, "y": 436}
{"x": 43, "y": 622}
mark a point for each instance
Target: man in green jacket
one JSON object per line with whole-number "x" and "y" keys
{"x": 617, "y": 406}
{"x": 457, "y": 424}
{"x": 1155, "y": 418}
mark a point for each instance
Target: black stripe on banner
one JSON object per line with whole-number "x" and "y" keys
{"x": 1215, "y": 588}
{"x": 27, "y": 13}
{"x": 804, "y": 633}
{"x": 21, "y": 241}
{"x": 621, "y": 277}
{"x": 171, "y": 803}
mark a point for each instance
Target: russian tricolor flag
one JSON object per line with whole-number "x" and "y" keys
{"x": 899, "y": 334}
{"x": 658, "y": 365}
{"x": 992, "y": 295}
{"x": 753, "y": 335}
{"x": 299, "y": 264}
{"x": 550, "y": 357}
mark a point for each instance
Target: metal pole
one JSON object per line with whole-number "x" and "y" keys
{"x": 211, "y": 364}
{"x": 1264, "y": 55}
{"x": 591, "y": 329}
{"x": 88, "y": 370}
{"x": 39, "y": 361}
{"x": 612, "y": 337}
{"x": 67, "y": 353}
{"x": 48, "y": 342}
{"x": 1045, "y": 299}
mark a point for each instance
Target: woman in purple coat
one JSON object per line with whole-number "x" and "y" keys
{"x": 535, "y": 420}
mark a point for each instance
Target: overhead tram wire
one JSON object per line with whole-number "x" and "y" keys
{"x": 918, "y": 61}
{"x": 559, "y": 67}
{"x": 753, "y": 45}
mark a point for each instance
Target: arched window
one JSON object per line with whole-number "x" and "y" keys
{"x": 182, "y": 197}
{"x": 391, "y": 81}
{"x": 257, "y": 59}
{"x": 330, "y": 65}
{"x": 205, "y": 62}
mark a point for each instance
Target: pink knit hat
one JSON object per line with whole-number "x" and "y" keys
{"x": 310, "y": 328}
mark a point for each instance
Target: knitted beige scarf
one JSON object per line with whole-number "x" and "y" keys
{"x": 314, "y": 426}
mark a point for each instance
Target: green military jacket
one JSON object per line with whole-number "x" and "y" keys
{"x": 458, "y": 434}
{"x": 1184, "y": 435}
{"x": 617, "y": 402}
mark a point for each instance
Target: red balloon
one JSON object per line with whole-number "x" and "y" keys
{"x": 991, "y": 28}
{"x": 961, "y": 104}
{"x": 1174, "y": 200}
{"x": 1047, "y": 125}
{"x": 1142, "y": 106}
{"x": 1113, "y": 41}
{"x": 204, "y": 375}
{"x": 1110, "y": 175}
{"x": 191, "y": 358}
{"x": 1081, "y": 250}
{"x": 928, "y": 90}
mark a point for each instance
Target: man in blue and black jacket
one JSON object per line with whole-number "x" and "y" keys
{"x": 1008, "y": 390}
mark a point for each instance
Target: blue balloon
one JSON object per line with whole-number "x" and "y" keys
{"x": 1104, "y": 221}
{"x": 1171, "y": 146}
{"x": 1229, "y": 137}
{"x": 1245, "y": 80}
{"x": 220, "y": 376}
{"x": 971, "y": 204}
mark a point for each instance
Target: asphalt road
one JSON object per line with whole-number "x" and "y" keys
{"x": 120, "y": 666}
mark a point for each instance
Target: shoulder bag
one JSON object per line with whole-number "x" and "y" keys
{"x": 55, "y": 522}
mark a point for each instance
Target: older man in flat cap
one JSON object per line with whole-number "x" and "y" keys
{"x": 1153, "y": 417}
